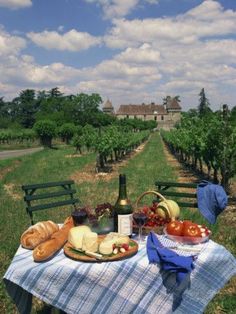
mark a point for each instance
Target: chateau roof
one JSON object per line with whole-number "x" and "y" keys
{"x": 173, "y": 104}
{"x": 108, "y": 104}
{"x": 141, "y": 109}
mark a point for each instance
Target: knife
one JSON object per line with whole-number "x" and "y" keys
{"x": 91, "y": 254}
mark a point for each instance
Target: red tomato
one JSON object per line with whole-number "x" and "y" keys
{"x": 187, "y": 223}
{"x": 192, "y": 230}
{"x": 174, "y": 228}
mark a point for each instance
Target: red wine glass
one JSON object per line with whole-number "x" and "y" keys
{"x": 140, "y": 219}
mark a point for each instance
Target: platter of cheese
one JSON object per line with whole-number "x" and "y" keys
{"x": 87, "y": 246}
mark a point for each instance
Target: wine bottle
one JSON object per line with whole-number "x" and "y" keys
{"x": 123, "y": 212}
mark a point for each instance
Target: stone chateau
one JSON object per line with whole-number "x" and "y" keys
{"x": 166, "y": 115}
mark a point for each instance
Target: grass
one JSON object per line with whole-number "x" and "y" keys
{"x": 51, "y": 165}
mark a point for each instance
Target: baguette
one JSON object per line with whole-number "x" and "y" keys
{"x": 47, "y": 249}
{"x": 37, "y": 234}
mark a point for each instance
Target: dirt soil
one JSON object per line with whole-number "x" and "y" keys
{"x": 88, "y": 174}
{"x": 186, "y": 176}
{"x": 6, "y": 170}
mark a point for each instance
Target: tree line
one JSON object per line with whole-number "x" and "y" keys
{"x": 31, "y": 106}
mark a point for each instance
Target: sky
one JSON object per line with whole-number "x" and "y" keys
{"x": 128, "y": 51}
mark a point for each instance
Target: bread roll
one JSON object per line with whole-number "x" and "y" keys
{"x": 47, "y": 249}
{"x": 38, "y": 233}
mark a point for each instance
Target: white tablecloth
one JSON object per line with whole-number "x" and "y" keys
{"x": 128, "y": 286}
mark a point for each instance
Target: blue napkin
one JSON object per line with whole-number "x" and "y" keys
{"x": 211, "y": 199}
{"x": 168, "y": 260}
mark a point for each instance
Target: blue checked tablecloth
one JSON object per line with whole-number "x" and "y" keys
{"x": 128, "y": 286}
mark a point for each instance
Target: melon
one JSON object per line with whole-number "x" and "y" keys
{"x": 168, "y": 208}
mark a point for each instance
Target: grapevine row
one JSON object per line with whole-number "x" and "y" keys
{"x": 9, "y": 136}
{"x": 206, "y": 142}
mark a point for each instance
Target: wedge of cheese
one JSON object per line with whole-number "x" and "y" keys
{"x": 76, "y": 235}
{"x": 106, "y": 247}
{"x": 90, "y": 242}
{"x": 118, "y": 238}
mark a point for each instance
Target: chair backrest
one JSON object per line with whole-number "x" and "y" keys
{"x": 184, "y": 199}
{"x": 63, "y": 189}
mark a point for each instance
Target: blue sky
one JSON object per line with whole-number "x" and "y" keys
{"x": 130, "y": 51}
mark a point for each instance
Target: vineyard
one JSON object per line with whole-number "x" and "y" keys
{"x": 112, "y": 143}
{"x": 17, "y": 136}
{"x": 52, "y": 165}
{"x": 206, "y": 144}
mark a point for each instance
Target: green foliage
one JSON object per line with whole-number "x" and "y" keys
{"x": 206, "y": 138}
{"x": 67, "y": 131}
{"x": 136, "y": 124}
{"x": 78, "y": 142}
{"x": 46, "y": 130}
{"x": 90, "y": 136}
{"x": 18, "y": 136}
{"x": 203, "y": 108}
{"x": 78, "y": 130}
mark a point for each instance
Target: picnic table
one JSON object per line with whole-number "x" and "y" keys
{"x": 126, "y": 286}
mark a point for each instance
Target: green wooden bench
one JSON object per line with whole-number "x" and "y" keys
{"x": 54, "y": 190}
{"x": 184, "y": 199}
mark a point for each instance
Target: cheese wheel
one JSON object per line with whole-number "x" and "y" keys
{"x": 106, "y": 247}
{"x": 118, "y": 238}
{"x": 76, "y": 234}
{"x": 122, "y": 240}
{"x": 111, "y": 236}
{"x": 90, "y": 242}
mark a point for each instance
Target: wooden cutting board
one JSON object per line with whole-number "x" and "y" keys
{"x": 79, "y": 256}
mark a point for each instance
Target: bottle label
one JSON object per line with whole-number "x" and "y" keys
{"x": 125, "y": 224}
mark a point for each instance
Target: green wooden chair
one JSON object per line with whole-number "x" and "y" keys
{"x": 184, "y": 199}
{"x": 54, "y": 190}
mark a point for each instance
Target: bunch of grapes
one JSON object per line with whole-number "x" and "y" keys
{"x": 103, "y": 209}
{"x": 154, "y": 220}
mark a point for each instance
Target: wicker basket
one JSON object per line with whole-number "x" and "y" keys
{"x": 146, "y": 229}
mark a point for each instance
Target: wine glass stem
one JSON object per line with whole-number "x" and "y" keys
{"x": 140, "y": 234}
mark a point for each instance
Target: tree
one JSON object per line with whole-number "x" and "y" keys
{"x": 4, "y": 115}
{"x": 55, "y": 93}
{"x": 67, "y": 131}
{"x": 25, "y": 108}
{"x": 166, "y": 100}
{"x": 203, "y": 108}
{"x": 84, "y": 108}
{"x": 232, "y": 116}
{"x": 46, "y": 130}
{"x": 177, "y": 98}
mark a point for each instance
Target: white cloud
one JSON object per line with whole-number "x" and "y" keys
{"x": 119, "y": 8}
{"x": 210, "y": 10}
{"x": 152, "y": 1}
{"x": 114, "y": 69}
{"x": 71, "y": 41}
{"x": 163, "y": 56}
{"x": 60, "y": 28}
{"x": 23, "y": 70}
{"x": 15, "y": 4}
{"x": 10, "y": 44}
{"x": 142, "y": 55}
{"x": 186, "y": 28}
